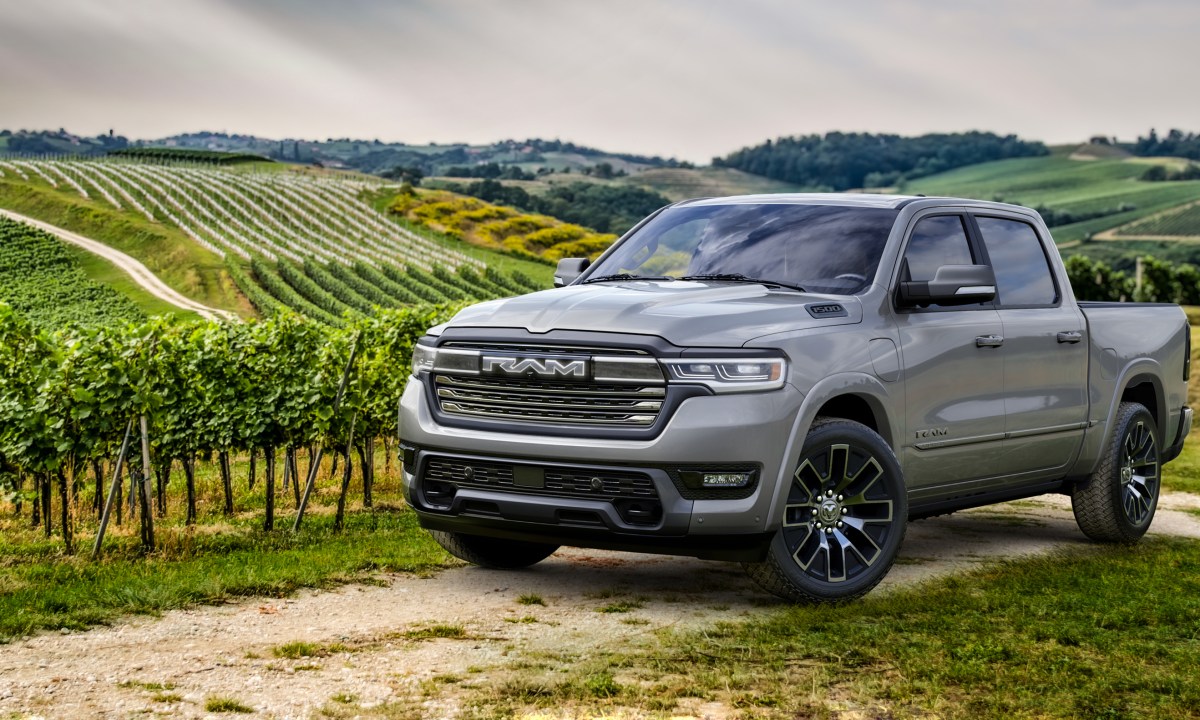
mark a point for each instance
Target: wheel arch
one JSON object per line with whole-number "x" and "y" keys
{"x": 1147, "y": 389}
{"x": 859, "y": 397}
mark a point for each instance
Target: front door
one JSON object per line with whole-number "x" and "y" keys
{"x": 953, "y": 372}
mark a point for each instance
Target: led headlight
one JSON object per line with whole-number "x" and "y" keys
{"x": 427, "y": 357}
{"x": 422, "y": 358}
{"x": 729, "y": 374}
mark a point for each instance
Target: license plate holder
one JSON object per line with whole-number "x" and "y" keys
{"x": 526, "y": 476}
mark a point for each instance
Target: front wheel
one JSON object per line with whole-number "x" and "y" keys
{"x": 845, "y": 517}
{"x": 1119, "y": 499}
{"x": 492, "y": 552}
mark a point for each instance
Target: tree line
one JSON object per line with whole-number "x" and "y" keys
{"x": 604, "y": 208}
{"x": 842, "y": 161}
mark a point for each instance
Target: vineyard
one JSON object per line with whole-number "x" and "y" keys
{"x": 137, "y": 406}
{"x": 41, "y": 280}
{"x": 302, "y": 242}
{"x": 1184, "y": 222}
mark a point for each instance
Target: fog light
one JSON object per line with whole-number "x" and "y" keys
{"x": 725, "y": 480}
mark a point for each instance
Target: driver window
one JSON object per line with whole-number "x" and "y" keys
{"x": 936, "y": 241}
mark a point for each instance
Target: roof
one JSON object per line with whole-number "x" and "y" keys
{"x": 846, "y": 199}
{"x": 863, "y": 200}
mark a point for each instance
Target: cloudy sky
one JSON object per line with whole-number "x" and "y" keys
{"x": 688, "y": 78}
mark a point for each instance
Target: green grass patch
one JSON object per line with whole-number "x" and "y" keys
{"x": 1110, "y": 632}
{"x": 531, "y": 599}
{"x": 40, "y": 589}
{"x": 622, "y": 606}
{"x": 297, "y": 649}
{"x": 434, "y": 632}
{"x": 226, "y": 705}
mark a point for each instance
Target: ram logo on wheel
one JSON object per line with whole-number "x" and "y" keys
{"x": 548, "y": 368}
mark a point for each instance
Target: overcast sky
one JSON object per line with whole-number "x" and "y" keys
{"x": 687, "y": 78}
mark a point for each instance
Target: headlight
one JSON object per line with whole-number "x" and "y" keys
{"x": 729, "y": 374}
{"x": 422, "y": 358}
{"x": 427, "y": 357}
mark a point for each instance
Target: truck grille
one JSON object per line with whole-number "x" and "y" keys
{"x": 547, "y": 401}
{"x": 563, "y": 482}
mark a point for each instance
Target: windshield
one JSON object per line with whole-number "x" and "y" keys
{"x": 822, "y": 248}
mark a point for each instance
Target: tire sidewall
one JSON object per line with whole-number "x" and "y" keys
{"x": 836, "y": 432}
{"x": 1116, "y": 488}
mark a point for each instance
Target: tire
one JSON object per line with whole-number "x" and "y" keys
{"x": 1118, "y": 502}
{"x": 848, "y": 488}
{"x": 492, "y": 552}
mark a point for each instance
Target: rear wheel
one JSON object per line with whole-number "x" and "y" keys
{"x": 844, "y": 520}
{"x": 492, "y": 552}
{"x": 1118, "y": 502}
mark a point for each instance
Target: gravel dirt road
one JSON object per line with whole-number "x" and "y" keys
{"x": 228, "y": 651}
{"x": 136, "y": 270}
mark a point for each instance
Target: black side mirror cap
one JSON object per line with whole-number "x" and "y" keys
{"x": 951, "y": 285}
{"x": 569, "y": 269}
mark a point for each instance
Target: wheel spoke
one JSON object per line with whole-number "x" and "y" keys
{"x": 864, "y": 538}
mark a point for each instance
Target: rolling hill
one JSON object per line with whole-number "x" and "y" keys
{"x": 261, "y": 237}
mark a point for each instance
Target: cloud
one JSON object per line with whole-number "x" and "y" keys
{"x": 691, "y": 78}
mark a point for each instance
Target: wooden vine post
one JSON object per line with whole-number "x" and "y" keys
{"x": 113, "y": 491}
{"x": 337, "y": 402}
{"x": 146, "y": 492}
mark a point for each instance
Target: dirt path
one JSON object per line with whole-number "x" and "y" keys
{"x": 227, "y": 651}
{"x": 136, "y": 270}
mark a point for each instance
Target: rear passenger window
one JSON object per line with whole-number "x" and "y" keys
{"x": 937, "y": 241}
{"x": 1022, "y": 270}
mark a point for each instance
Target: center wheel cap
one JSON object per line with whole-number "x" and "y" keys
{"x": 830, "y": 511}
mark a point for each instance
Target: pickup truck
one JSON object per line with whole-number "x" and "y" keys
{"x": 786, "y": 381}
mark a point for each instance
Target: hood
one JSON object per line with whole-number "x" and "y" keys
{"x": 684, "y": 313}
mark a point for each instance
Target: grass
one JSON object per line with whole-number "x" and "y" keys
{"x": 219, "y": 559}
{"x": 530, "y": 599}
{"x": 622, "y": 606}
{"x": 435, "y": 632}
{"x": 103, "y": 271}
{"x": 168, "y": 253}
{"x": 226, "y": 705}
{"x": 1109, "y": 632}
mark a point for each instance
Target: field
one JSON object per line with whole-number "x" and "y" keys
{"x": 307, "y": 241}
{"x": 1109, "y": 188}
{"x": 43, "y": 280}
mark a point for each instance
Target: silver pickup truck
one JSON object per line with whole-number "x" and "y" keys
{"x": 786, "y": 381}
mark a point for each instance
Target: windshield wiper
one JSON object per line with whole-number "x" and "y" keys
{"x": 625, "y": 276}
{"x": 738, "y": 277}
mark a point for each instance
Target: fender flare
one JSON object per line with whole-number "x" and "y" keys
{"x": 1134, "y": 373}
{"x": 878, "y": 396}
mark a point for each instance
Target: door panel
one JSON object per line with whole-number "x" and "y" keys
{"x": 1045, "y": 389}
{"x": 954, "y": 398}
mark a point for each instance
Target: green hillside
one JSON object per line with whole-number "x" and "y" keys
{"x": 1109, "y": 189}
{"x": 259, "y": 237}
{"x": 42, "y": 280}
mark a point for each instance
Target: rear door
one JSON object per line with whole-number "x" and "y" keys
{"x": 1045, "y": 351}
{"x": 953, "y": 377}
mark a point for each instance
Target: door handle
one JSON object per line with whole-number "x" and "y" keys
{"x": 1072, "y": 336}
{"x": 989, "y": 341}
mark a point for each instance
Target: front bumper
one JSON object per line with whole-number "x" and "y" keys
{"x": 718, "y": 431}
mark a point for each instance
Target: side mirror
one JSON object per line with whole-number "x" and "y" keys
{"x": 569, "y": 269}
{"x": 951, "y": 285}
